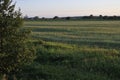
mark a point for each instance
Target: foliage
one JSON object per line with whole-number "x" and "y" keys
{"x": 14, "y": 50}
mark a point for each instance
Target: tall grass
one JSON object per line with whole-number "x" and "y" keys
{"x": 58, "y": 61}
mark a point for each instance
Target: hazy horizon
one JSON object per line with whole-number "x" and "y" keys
{"x": 51, "y": 8}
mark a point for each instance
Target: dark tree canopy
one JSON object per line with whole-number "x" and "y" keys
{"x": 14, "y": 49}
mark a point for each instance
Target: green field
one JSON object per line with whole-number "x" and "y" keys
{"x": 75, "y": 50}
{"x": 90, "y": 33}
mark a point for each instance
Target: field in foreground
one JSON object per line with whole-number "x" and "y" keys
{"x": 75, "y": 50}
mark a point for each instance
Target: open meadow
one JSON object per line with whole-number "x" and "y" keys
{"x": 75, "y": 50}
{"x": 82, "y": 33}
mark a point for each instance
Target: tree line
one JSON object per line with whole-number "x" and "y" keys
{"x": 90, "y": 17}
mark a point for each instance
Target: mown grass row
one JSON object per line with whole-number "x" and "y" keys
{"x": 91, "y": 33}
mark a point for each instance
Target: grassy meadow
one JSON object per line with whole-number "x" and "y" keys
{"x": 74, "y": 50}
{"x": 83, "y": 33}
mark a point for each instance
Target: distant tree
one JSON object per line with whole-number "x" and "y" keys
{"x": 43, "y": 18}
{"x": 91, "y": 16}
{"x": 100, "y": 17}
{"x": 67, "y": 18}
{"x": 105, "y": 17}
{"x": 36, "y": 18}
{"x": 114, "y": 17}
{"x": 14, "y": 48}
{"x": 56, "y": 17}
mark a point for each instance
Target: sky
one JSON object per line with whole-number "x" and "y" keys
{"x": 51, "y": 8}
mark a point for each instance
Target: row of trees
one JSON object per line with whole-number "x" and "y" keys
{"x": 15, "y": 51}
{"x": 100, "y": 17}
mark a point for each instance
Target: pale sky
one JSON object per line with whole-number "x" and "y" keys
{"x": 51, "y": 8}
